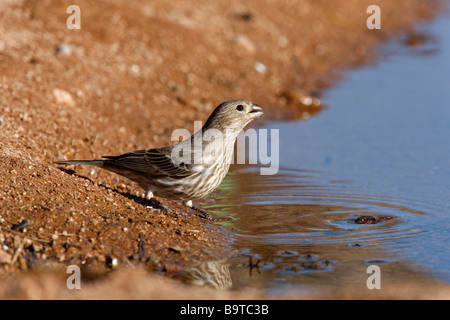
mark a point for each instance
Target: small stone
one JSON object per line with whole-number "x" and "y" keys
{"x": 316, "y": 102}
{"x": 301, "y": 98}
{"x": 112, "y": 262}
{"x": 176, "y": 249}
{"x": 63, "y": 49}
{"x": 63, "y": 97}
{"x": 135, "y": 69}
{"x": 260, "y": 67}
{"x": 306, "y": 100}
{"x": 244, "y": 43}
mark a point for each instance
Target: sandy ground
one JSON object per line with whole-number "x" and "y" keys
{"x": 134, "y": 72}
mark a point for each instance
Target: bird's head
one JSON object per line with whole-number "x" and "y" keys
{"x": 234, "y": 114}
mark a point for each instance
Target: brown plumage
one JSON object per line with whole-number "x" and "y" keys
{"x": 180, "y": 171}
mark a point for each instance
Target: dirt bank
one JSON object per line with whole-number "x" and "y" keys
{"x": 134, "y": 72}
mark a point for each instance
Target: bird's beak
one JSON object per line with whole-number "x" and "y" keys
{"x": 256, "y": 111}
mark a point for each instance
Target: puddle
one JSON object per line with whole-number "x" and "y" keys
{"x": 298, "y": 226}
{"x": 380, "y": 149}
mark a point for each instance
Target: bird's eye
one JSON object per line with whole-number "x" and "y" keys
{"x": 240, "y": 107}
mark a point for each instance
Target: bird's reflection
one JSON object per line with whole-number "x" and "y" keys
{"x": 211, "y": 274}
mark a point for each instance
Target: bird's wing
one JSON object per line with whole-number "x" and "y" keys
{"x": 151, "y": 161}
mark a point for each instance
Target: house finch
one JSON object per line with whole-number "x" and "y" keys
{"x": 191, "y": 169}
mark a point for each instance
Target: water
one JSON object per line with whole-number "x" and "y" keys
{"x": 382, "y": 147}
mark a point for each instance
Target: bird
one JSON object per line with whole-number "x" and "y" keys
{"x": 191, "y": 169}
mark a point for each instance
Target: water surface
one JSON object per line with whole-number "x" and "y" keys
{"x": 381, "y": 147}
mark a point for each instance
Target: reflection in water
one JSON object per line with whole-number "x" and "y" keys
{"x": 212, "y": 274}
{"x": 301, "y": 228}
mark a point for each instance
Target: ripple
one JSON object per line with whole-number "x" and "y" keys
{"x": 297, "y": 207}
{"x": 300, "y": 213}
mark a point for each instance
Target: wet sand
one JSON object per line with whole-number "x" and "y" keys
{"x": 132, "y": 74}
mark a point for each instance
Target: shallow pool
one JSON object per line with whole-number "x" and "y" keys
{"x": 380, "y": 148}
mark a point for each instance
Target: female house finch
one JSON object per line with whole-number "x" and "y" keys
{"x": 187, "y": 170}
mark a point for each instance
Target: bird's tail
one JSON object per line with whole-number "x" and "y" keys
{"x": 95, "y": 163}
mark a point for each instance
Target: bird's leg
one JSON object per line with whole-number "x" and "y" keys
{"x": 202, "y": 213}
{"x": 149, "y": 197}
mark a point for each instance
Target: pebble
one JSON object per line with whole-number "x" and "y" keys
{"x": 176, "y": 249}
{"x": 306, "y": 100}
{"x": 114, "y": 263}
{"x": 1, "y": 121}
{"x": 63, "y": 97}
{"x": 135, "y": 69}
{"x": 260, "y": 67}
{"x": 244, "y": 43}
{"x": 301, "y": 97}
{"x": 63, "y": 49}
